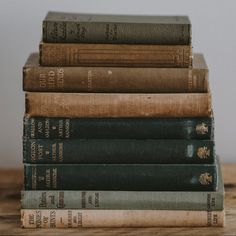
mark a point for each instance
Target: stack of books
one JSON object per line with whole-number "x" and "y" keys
{"x": 118, "y": 127}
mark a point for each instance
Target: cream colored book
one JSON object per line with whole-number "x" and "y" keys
{"x": 35, "y": 218}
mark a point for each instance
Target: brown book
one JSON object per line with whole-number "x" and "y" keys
{"x": 118, "y": 105}
{"x": 69, "y": 54}
{"x": 37, "y": 218}
{"x": 115, "y": 79}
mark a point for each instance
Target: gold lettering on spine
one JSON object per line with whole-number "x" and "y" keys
{"x": 54, "y": 178}
{"x": 40, "y": 152}
{"x": 60, "y": 78}
{"x": 47, "y": 128}
{"x": 61, "y": 200}
{"x": 60, "y": 152}
{"x": 67, "y": 128}
{"x": 80, "y": 219}
{"x": 52, "y": 79}
{"x": 60, "y": 128}
{"x": 69, "y": 219}
{"x": 31, "y": 220}
{"x": 34, "y": 177}
{"x": 42, "y": 80}
{"x": 33, "y": 151}
{"x": 40, "y": 127}
{"x": 52, "y": 218}
{"x": 54, "y": 152}
{"x": 32, "y": 128}
{"x": 38, "y": 219}
{"x": 90, "y": 80}
{"x": 43, "y": 200}
{"x": 190, "y": 80}
{"x": 97, "y": 200}
{"x": 48, "y": 178}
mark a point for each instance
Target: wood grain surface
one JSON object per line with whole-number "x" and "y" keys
{"x": 11, "y": 184}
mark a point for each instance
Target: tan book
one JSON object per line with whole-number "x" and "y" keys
{"x": 115, "y": 79}
{"x": 118, "y": 105}
{"x": 37, "y": 218}
{"x": 69, "y": 54}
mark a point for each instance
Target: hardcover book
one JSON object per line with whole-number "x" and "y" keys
{"x": 115, "y": 79}
{"x": 118, "y": 151}
{"x": 199, "y": 128}
{"x": 114, "y": 105}
{"x": 121, "y": 177}
{"x": 61, "y": 27}
{"x": 36, "y": 218}
{"x": 118, "y": 55}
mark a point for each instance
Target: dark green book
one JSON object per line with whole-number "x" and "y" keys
{"x": 119, "y": 128}
{"x": 59, "y": 27}
{"x": 142, "y": 200}
{"x": 123, "y": 177}
{"x": 118, "y": 151}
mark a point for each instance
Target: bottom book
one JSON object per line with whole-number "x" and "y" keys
{"x": 35, "y": 218}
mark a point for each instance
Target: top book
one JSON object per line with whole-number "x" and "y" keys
{"x": 59, "y": 27}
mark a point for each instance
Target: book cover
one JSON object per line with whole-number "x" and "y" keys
{"x": 91, "y": 28}
{"x": 114, "y": 105}
{"x": 123, "y": 177}
{"x": 118, "y": 151}
{"x": 117, "y": 55}
{"x": 38, "y": 78}
{"x": 36, "y": 218}
{"x": 200, "y": 128}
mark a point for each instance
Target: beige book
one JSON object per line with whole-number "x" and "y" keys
{"x": 118, "y": 105}
{"x": 36, "y": 218}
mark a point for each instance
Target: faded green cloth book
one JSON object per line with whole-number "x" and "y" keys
{"x": 61, "y": 27}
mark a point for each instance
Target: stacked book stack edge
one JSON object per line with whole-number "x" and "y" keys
{"x": 118, "y": 126}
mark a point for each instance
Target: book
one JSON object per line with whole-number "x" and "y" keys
{"x": 138, "y": 200}
{"x": 117, "y": 55}
{"x": 119, "y": 128}
{"x": 113, "y": 105}
{"x": 91, "y": 28}
{"x": 38, "y": 78}
{"x": 38, "y": 218}
{"x": 123, "y": 177}
{"x": 118, "y": 151}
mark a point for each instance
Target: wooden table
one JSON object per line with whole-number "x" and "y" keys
{"x": 11, "y": 184}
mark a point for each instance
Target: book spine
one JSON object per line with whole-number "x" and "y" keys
{"x": 37, "y": 218}
{"x": 112, "y": 79}
{"x": 110, "y": 105}
{"x": 54, "y": 54}
{"x": 108, "y": 32}
{"x": 85, "y": 128}
{"x": 121, "y": 177}
{"x": 118, "y": 151}
{"x": 205, "y": 201}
